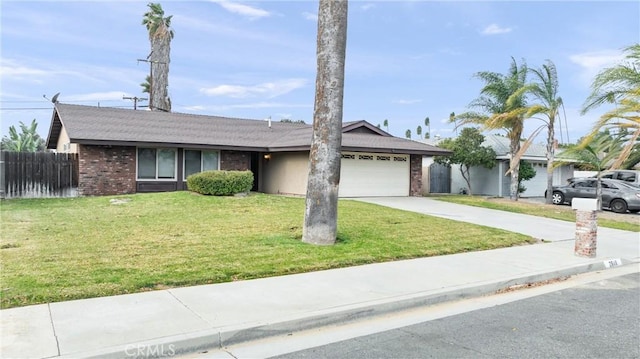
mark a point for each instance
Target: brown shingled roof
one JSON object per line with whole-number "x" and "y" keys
{"x": 105, "y": 125}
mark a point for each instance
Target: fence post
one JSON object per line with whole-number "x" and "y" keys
{"x": 2, "y": 174}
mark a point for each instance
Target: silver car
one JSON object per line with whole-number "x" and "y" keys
{"x": 616, "y": 195}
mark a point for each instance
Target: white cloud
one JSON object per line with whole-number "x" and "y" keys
{"x": 593, "y": 62}
{"x": 310, "y": 16}
{"x": 25, "y": 71}
{"x": 267, "y": 89}
{"x": 597, "y": 60}
{"x": 242, "y": 9}
{"x": 407, "y": 102}
{"x": 368, "y": 6}
{"x": 16, "y": 70}
{"x": 495, "y": 29}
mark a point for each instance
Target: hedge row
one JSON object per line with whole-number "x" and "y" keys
{"x": 220, "y": 183}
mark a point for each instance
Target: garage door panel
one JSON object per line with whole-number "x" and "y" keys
{"x": 370, "y": 175}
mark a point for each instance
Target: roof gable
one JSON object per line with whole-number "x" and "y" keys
{"x": 363, "y": 127}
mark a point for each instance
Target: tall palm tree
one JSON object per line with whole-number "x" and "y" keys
{"x": 146, "y": 85}
{"x": 502, "y": 104}
{"x": 427, "y": 128}
{"x": 419, "y": 131}
{"x": 385, "y": 123}
{"x": 618, "y": 85}
{"x": 545, "y": 90}
{"x": 321, "y": 211}
{"x": 160, "y": 35}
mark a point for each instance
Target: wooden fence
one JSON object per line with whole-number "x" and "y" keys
{"x": 38, "y": 174}
{"x": 439, "y": 178}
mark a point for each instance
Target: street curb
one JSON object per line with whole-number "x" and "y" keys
{"x": 216, "y": 338}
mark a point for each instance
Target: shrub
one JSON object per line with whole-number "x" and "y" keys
{"x": 220, "y": 183}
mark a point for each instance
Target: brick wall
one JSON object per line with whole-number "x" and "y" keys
{"x": 106, "y": 170}
{"x": 235, "y": 161}
{"x": 416, "y": 176}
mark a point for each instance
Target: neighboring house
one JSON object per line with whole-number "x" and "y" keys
{"x": 493, "y": 182}
{"x": 125, "y": 151}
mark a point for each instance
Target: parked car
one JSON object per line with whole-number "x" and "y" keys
{"x": 631, "y": 177}
{"x": 628, "y": 176}
{"x": 616, "y": 195}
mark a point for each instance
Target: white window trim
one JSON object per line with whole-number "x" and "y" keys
{"x": 175, "y": 165}
{"x": 184, "y": 160}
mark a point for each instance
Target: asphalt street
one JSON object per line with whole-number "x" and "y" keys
{"x": 595, "y": 320}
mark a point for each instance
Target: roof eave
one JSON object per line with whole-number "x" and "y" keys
{"x": 166, "y": 145}
{"x": 54, "y": 131}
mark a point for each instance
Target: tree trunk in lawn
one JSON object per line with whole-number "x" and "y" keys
{"x": 550, "y": 159}
{"x": 513, "y": 188}
{"x": 321, "y": 212}
{"x": 467, "y": 177}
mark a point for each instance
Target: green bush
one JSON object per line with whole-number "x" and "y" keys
{"x": 220, "y": 183}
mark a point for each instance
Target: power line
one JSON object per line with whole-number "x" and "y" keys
{"x": 40, "y": 101}
{"x": 135, "y": 100}
{"x": 23, "y": 108}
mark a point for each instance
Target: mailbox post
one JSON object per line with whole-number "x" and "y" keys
{"x": 586, "y": 226}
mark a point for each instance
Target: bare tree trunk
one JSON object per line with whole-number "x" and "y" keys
{"x": 160, "y": 58}
{"x": 599, "y": 191}
{"x": 321, "y": 212}
{"x": 467, "y": 177}
{"x": 550, "y": 158}
{"x": 513, "y": 188}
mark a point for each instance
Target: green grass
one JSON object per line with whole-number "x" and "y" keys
{"x": 63, "y": 249}
{"x": 564, "y": 213}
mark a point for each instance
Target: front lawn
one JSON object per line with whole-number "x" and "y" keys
{"x": 61, "y": 249}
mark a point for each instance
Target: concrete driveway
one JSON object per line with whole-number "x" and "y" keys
{"x": 538, "y": 227}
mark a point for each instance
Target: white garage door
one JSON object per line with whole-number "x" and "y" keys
{"x": 374, "y": 174}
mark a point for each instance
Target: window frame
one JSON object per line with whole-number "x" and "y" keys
{"x": 157, "y": 151}
{"x": 202, "y": 152}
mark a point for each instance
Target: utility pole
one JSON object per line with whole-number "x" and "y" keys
{"x": 151, "y": 62}
{"x": 150, "y": 78}
{"x": 135, "y": 100}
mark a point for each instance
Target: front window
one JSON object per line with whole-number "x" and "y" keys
{"x": 197, "y": 161}
{"x": 156, "y": 163}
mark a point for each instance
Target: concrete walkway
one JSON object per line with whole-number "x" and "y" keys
{"x": 194, "y": 318}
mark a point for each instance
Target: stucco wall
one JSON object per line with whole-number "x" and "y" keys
{"x": 64, "y": 140}
{"x": 286, "y": 173}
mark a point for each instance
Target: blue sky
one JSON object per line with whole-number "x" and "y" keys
{"x": 406, "y": 60}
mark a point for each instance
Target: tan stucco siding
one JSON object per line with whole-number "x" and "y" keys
{"x": 64, "y": 145}
{"x": 286, "y": 173}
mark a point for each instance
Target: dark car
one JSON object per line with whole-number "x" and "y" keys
{"x": 616, "y": 195}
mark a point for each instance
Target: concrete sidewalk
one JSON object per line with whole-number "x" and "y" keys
{"x": 204, "y": 317}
